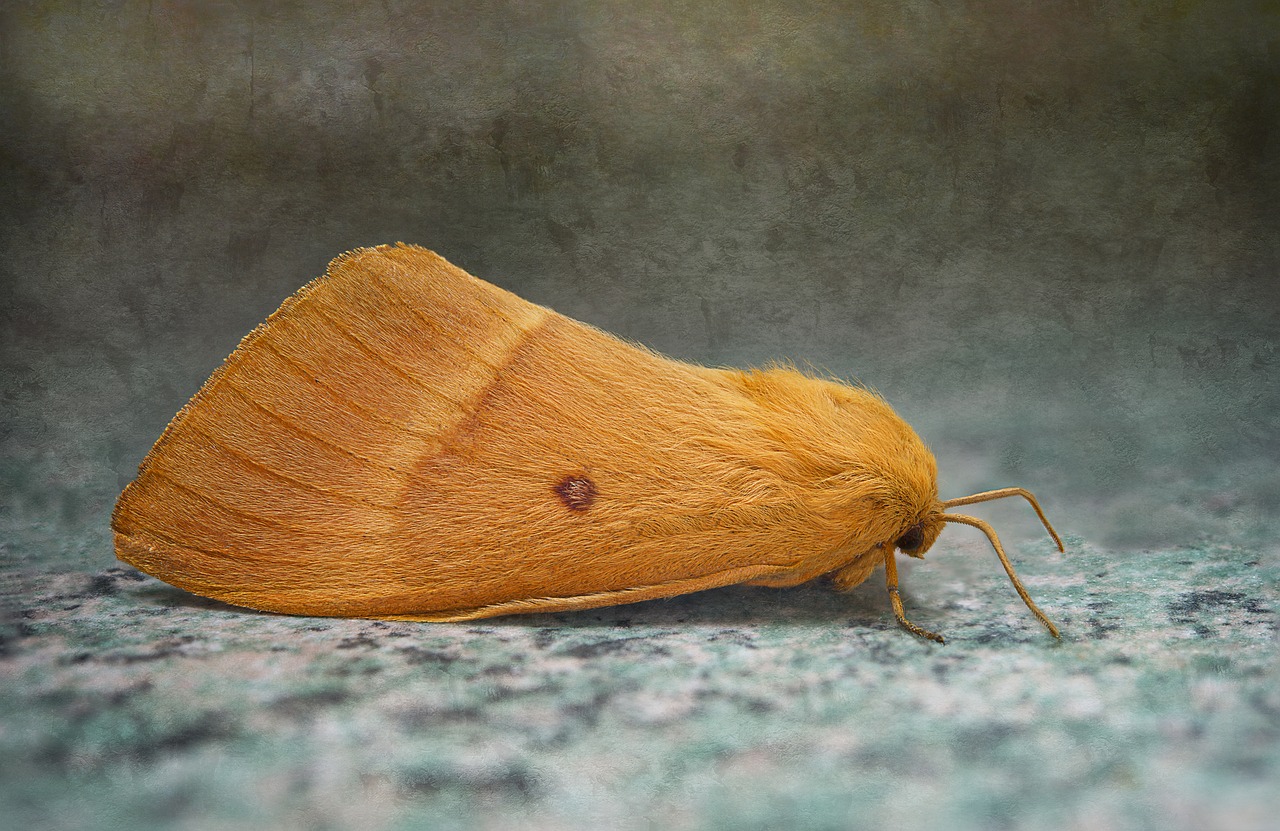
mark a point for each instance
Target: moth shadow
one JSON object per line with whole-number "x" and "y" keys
{"x": 162, "y": 596}
{"x": 815, "y": 602}
{"x": 732, "y": 605}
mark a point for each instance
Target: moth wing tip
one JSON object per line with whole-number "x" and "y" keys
{"x": 368, "y": 255}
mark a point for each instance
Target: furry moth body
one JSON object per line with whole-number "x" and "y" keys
{"x": 403, "y": 440}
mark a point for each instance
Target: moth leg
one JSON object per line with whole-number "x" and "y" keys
{"x": 891, "y": 578}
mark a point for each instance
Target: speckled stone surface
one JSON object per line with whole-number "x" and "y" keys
{"x": 1045, "y": 231}
{"x": 129, "y": 704}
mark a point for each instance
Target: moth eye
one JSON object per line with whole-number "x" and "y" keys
{"x": 912, "y": 538}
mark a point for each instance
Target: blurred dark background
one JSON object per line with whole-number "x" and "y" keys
{"x": 1048, "y": 233}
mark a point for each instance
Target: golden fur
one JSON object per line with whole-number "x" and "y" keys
{"x": 401, "y": 439}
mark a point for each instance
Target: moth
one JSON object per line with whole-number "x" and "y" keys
{"x": 402, "y": 440}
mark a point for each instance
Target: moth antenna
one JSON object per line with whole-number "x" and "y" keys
{"x": 987, "y": 496}
{"x": 891, "y": 579}
{"x": 1008, "y": 567}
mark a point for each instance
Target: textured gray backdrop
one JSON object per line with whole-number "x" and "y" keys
{"x": 1047, "y": 232}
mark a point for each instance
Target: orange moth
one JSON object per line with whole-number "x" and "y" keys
{"x": 402, "y": 440}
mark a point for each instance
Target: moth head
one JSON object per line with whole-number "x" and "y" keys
{"x": 918, "y": 537}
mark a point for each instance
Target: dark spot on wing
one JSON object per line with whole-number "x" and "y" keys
{"x": 578, "y": 493}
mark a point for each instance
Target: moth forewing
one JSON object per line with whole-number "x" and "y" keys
{"x": 401, "y": 439}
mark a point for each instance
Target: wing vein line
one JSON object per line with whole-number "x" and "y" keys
{"x": 292, "y": 480}
{"x": 363, "y": 412}
{"x": 231, "y": 509}
{"x": 379, "y": 358}
{"x": 392, "y": 290}
{"x": 300, "y": 430}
